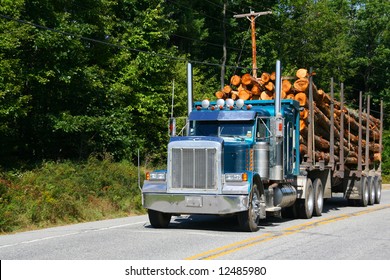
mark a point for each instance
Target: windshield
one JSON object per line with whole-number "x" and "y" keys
{"x": 224, "y": 129}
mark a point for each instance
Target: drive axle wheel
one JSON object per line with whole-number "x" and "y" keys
{"x": 371, "y": 190}
{"x": 364, "y": 191}
{"x": 159, "y": 219}
{"x": 318, "y": 197}
{"x": 306, "y": 205}
{"x": 378, "y": 189}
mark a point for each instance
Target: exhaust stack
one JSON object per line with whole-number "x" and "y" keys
{"x": 189, "y": 88}
{"x": 277, "y": 125}
{"x": 278, "y": 102}
{"x": 190, "y": 99}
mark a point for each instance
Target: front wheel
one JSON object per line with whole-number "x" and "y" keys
{"x": 159, "y": 219}
{"x": 249, "y": 220}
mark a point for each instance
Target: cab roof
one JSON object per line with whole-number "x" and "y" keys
{"x": 223, "y": 115}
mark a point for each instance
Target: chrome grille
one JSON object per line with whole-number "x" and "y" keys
{"x": 194, "y": 168}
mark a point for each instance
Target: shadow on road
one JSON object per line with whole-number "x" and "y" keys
{"x": 230, "y": 223}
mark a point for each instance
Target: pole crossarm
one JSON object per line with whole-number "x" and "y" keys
{"x": 252, "y": 17}
{"x": 253, "y": 14}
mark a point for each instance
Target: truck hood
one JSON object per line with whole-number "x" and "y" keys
{"x": 196, "y": 138}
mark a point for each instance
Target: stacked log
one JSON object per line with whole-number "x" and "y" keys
{"x": 248, "y": 87}
{"x": 322, "y": 126}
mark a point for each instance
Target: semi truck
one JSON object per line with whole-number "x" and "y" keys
{"x": 243, "y": 158}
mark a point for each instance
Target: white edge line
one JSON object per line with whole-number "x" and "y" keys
{"x": 70, "y": 234}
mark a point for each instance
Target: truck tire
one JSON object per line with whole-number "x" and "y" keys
{"x": 249, "y": 220}
{"x": 306, "y": 205}
{"x": 158, "y": 219}
{"x": 318, "y": 197}
{"x": 378, "y": 189}
{"x": 371, "y": 190}
{"x": 363, "y": 201}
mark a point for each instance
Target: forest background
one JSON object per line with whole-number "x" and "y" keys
{"x": 87, "y": 84}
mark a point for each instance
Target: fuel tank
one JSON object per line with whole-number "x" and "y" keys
{"x": 284, "y": 195}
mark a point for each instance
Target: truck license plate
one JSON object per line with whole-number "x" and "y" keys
{"x": 193, "y": 201}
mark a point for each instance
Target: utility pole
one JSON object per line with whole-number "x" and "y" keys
{"x": 223, "y": 68}
{"x": 252, "y": 18}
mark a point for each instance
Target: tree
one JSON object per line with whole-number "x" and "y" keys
{"x": 66, "y": 95}
{"x": 371, "y": 51}
{"x": 94, "y": 76}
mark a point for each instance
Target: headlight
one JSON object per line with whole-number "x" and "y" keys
{"x": 156, "y": 176}
{"x": 236, "y": 177}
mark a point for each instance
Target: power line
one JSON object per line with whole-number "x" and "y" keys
{"x": 169, "y": 57}
{"x": 201, "y": 13}
{"x": 205, "y": 42}
{"x": 220, "y": 6}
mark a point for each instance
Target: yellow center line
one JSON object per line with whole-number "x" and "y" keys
{"x": 243, "y": 244}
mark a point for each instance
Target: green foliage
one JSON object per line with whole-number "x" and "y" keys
{"x": 56, "y": 193}
{"x": 98, "y": 79}
{"x": 63, "y": 96}
{"x": 386, "y": 154}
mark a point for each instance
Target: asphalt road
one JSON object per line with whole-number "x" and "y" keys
{"x": 341, "y": 233}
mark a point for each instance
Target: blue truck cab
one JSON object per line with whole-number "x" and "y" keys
{"x": 238, "y": 157}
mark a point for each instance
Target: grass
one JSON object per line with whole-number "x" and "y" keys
{"x": 385, "y": 179}
{"x": 57, "y": 193}
{"x": 68, "y": 192}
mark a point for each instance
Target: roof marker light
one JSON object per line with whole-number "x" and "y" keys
{"x": 239, "y": 103}
{"x": 249, "y": 107}
{"x": 220, "y": 102}
{"x": 205, "y": 104}
{"x": 229, "y": 102}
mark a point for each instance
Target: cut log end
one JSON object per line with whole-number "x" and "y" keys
{"x": 227, "y": 89}
{"x": 304, "y": 114}
{"x": 301, "y": 84}
{"x": 266, "y": 95}
{"x": 247, "y": 79}
{"x": 220, "y": 95}
{"x": 301, "y": 73}
{"x": 235, "y": 80}
{"x": 245, "y": 94}
{"x": 302, "y": 125}
{"x": 286, "y": 85}
{"x": 265, "y": 77}
{"x": 270, "y": 86}
{"x": 301, "y": 98}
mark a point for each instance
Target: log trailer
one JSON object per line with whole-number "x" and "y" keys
{"x": 243, "y": 158}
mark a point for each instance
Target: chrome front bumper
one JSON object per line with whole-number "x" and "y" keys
{"x": 195, "y": 204}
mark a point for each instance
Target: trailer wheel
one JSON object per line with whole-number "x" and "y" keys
{"x": 378, "y": 189}
{"x": 306, "y": 205}
{"x": 363, "y": 201}
{"x": 159, "y": 219}
{"x": 318, "y": 197}
{"x": 371, "y": 190}
{"x": 249, "y": 220}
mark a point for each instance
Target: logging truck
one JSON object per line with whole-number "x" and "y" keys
{"x": 267, "y": 150}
